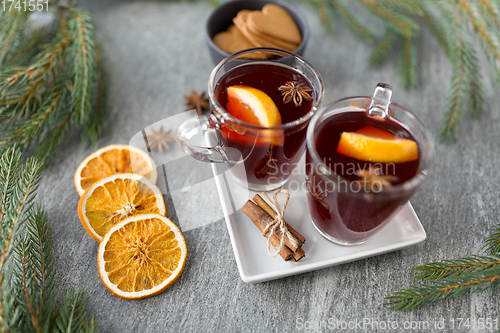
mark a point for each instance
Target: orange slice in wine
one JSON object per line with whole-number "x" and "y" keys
{"x": 377, "y": 145}
{"x": 254, "y": 107}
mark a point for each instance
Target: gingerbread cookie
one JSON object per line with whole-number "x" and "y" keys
{"x": 233, "y": 40}
{"x": 256, "y": 38}
{"x": 275, "y": 22}
{"x": 271, "y": 27}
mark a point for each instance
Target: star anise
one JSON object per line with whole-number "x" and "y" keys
{"x": 374, "y": 180}
{"x": 197, "y": 101}
{"x": 159, "y": 139}
{"x": 296, "y": 92}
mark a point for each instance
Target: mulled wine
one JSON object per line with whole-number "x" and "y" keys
{"x": 268, "y": 156}
{"x": 367, "y": 157}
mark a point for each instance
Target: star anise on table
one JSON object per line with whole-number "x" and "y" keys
{"x": 197, "y": 101}
{"x": 296, "y": 92}
{"x": 159, "y": 139}
{"x": 374, "y": 180}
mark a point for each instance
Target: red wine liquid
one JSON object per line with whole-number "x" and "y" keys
{"x": 334, "y": 209}
{"x": 266, "y": 161}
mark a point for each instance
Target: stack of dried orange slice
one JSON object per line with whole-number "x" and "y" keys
{"x": 141, "y": 252}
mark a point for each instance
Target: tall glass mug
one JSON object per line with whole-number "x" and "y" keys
{"x": 365, "y": 158}
{"x": 260, "y": 158}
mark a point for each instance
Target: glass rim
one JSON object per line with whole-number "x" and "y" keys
{"x": 408, "y": 185}
{"x": 226, "y": 116}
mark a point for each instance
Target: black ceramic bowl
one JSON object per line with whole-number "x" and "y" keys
{"x": 222, "y": 17}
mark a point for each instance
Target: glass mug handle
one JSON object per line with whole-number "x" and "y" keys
{"x": 380, "y": 102}
{"x": 199, "y": 127}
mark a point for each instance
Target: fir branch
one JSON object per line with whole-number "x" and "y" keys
{"x": 352, "y": 21}
{"x": 407, "y": 6}
{"x": 27, "y": 265}
{"x": 42, "y": 268}
{"x": 476, "y": 99}
{"x": 490, "y": 13}
{"x": 491, "y": 46}
{"x": 29, "y": 46}
{"x": 457, "y": 267}
{"x": 84, "y": 65}
{"x": 400, "y": 23}
{"x": 21, "y": 200}
{"x": 22, "y": 88}
{"x": 448, "y": 22}
{"x": 437, "y": 29}
{"x": 19, "y": 188}
{"x": 464, "y": 87}
{"x": 93, "y": 128}
{"x": 9, "y": 168}
{"x": 408, "y": 64}
{"x": 63, "y": 87}
{"x": 492, "y": 243}
{"x": 455, "y": 102}
{"x": 12, "y": 21}
{"x": 71, "y": 316}
{"x": 323, "y": 10}
{"x": 383, "y": 48}
{"x": 417, "y": 296}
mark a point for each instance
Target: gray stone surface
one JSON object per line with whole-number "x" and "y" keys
{"x": 155, "y": 54}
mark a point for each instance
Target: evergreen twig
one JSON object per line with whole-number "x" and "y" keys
{"x": 417, "y": 296}
{"x": 71, "y": 315}
{"x": 452, "y": 277}
{"x": 352, "y": 21}
{"x": 383, "y": 48}
{"x": 408, "y": 64}
{"x": 62, "y": 88}
{"x": 490, "y": 45}
{"x": 448, "y": 22}
{"x": 27, "y": 266}
{"x": 457, "y": 267}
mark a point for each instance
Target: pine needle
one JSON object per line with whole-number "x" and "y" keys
{"x": 383, "y": 48}
{"x": 408, "y": 64}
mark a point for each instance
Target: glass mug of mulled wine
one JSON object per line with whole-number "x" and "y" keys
{"x": 261, "y": 102}
{"x": 365, "y": 158}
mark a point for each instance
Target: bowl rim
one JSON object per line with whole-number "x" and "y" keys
{"x": 288, "y": 7}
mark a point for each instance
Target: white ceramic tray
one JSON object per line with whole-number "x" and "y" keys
{"x": 255, "y": 265}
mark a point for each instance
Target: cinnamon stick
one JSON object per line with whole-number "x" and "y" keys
{"x": 261, "y": 219}
{"x": 299, "y": 254}
{"x": 268, "y": 209}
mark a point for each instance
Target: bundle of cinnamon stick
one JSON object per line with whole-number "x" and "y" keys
{"x": 262, "y": 214}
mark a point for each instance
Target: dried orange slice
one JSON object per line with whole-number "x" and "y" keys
{"x": 377, "y": 145}
{"x": 114, "y": 198}
{"x": 141, "y": 256}
{"x": 112, "y": 159}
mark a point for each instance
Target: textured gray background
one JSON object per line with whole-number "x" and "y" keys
{"x": 155, "y": 53}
